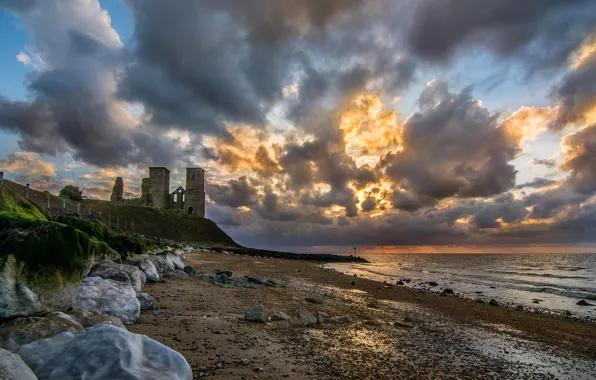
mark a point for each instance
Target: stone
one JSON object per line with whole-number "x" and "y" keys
{"x": 89, "y": 318}
{"x": 25, "y": 330}
{"x": 220, "y": 279}
{"x": 302, "y": 317}
{"x": 584, "y": 303}
{"x": 219, "y": 272}
{"x": 400, "y": 282}
{"x": 174, "y": 261}
{"x": 448, "y": 291}
{"x": 111, "y": 297}
{"x": 242, "y": 284}
{"x": 340, "y": 319}
{"x": 374, "y": 322}
{"x": 279, "y": 316}
{"x": 190, "y": 270}
{"x": 104, "y": 352}
{"x": 314, "y": 300}
{"x": 176, "y": 274}
{"x": 432, "y": 283}
{"x": 374, "y": 305}
{"x": 322, "y": 317}
{"x": 147, "y": 302}
{"x": 403, "y": 325}
{"x": 161, "y": 263}
{"x": 48, "y": 281}
{"x": 128, "y": 274}
{"x": 255, "y": 279}
{"x": 146, "y": 265}
{"x": 255, "y": 314}
{"x": 12, "y": 367}
{"x": 493, "y": 302}
{"x": 273, "y": 283}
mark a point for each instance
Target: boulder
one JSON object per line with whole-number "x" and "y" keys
{"x": 104, "y": 352}
{"x": 89, "y": 318}
{"x": 174, "y": 261}
{"x": 220, "y": 279}
{"x": 273, "y": 283}
{"x": 42, "y": 266}
{"x": 243, "y": 284}
{"x": 314, "y": 300}
{"x": 146, "y": 265}
{"x": 493, "y": 302}
{"x": 111, "y": 297}
{"x": 161, "y": 263}
{"x": 340, "y": 319}
{"x": 147, "y": 302}
{"x": 255, "y": 314}
{"x": 583, "y": 303}
{"x": 25, "y": 330}
{"x": 12, "y": 367}
{"x": 128, "y": 274}
{"x": 302, "y": 317}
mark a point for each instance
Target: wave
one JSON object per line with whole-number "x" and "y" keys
{"x": 547, "y": 275}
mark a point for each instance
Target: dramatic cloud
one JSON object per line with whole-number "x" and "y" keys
{"x": 310, "y": 117}
{"x": 453, "y": 147}
{"x": 541, "y": 32}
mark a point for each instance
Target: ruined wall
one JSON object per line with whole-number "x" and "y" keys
{"x": 146, "y": 191}
{"x": 118, "y": 190}
{"x": 45, "y": 199}
{"x": 159, "y": 179}
{"x": 194, "y": 203}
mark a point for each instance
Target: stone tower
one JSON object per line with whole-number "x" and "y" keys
{"x": 118, "y": 190}
{"x": 159, "y": 179}
{"x": 194, "y": 203}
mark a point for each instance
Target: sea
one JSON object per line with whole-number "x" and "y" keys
{"x": 544, "y": 283}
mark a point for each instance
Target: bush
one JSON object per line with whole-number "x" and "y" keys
{"x": 71, "y": 192}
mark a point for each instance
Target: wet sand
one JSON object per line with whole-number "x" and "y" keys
{"x": 406, "y": 334}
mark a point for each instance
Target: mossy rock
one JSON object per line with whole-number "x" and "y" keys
{"x": 92, "y": 229}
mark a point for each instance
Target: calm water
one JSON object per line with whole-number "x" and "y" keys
{"x": 550, "y": 282}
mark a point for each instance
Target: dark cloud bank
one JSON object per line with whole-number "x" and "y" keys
{"x": 198, "y": 66}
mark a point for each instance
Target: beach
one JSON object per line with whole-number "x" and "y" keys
{"x": 369, "y": 330}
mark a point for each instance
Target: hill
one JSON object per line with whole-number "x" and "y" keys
{"x": 152, "y": 222}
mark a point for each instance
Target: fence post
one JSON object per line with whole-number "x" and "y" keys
{"x": 117, "y": 223}
{"x": 63, "y": 203}
{"x": 132, "y": 226}
{"x": 1, "y": 178}
{"x": 125, "y": 224}
{"x": 49, "y": 196}
{"x": 27, "y": 191}
{"x": 110, "y": 220}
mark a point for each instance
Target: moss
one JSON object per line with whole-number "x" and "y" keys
{"x": 47, "y": 245}
{"x": 13, "y": 206}
{"x": 90, "y": 228}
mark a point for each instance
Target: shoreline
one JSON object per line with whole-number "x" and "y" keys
{"x": 436, "y": 290}
{"x": 392, "y": 330}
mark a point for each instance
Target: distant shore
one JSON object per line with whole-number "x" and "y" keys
{"x": 363, "y": 329}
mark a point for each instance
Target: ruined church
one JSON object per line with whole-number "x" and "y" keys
{"x": 155, "y": 191}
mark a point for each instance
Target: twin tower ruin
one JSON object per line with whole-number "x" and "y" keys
{"x": 155, "y": 191}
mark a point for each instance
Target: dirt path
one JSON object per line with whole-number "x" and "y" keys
{"x": 394, "y": 333}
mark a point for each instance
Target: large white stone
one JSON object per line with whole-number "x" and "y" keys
{"x": 118, "y": 272}
{"x": 12, "y": 367}
{"x": 16, "y": 299}
{"x": 111, "y": 297}
{"x": 162, "y": 264}
{"x": 146, "y": 265}
{"x": 175, "y": 261}
{"x": 104, "y": 352}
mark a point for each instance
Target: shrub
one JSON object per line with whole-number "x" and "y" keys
{"x": 71, "y": 192}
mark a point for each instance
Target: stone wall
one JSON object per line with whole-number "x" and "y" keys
{"x": 45, "y": 199}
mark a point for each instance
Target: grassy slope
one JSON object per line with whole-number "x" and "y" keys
{"x": 151, "y": 222}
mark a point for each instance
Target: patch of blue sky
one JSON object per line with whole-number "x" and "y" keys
{"x": 13, "y": 40}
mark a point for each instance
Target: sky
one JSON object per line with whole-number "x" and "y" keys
{"x": 387, "y": 125}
